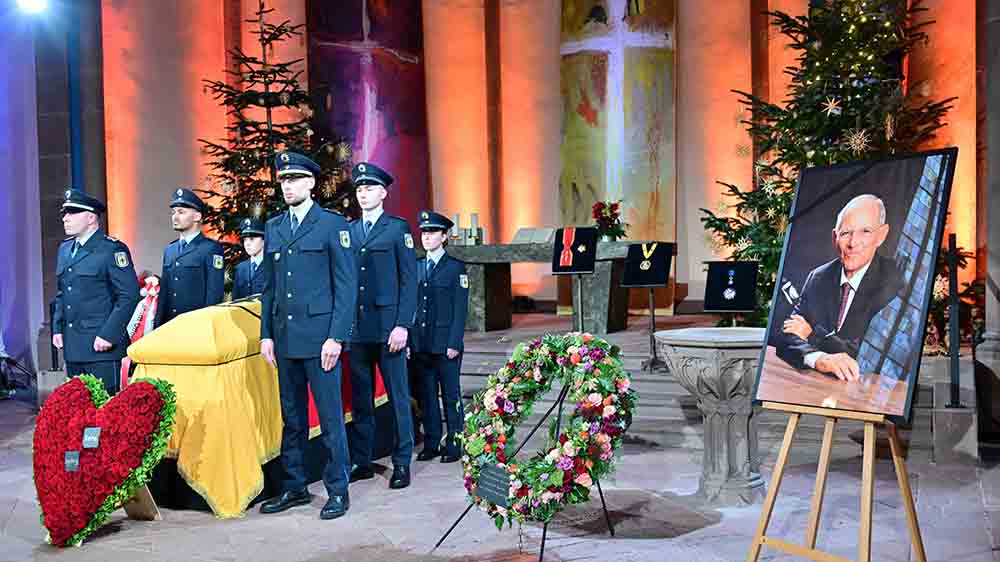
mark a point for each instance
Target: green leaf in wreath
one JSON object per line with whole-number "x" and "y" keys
{"x": 476, "y": 446}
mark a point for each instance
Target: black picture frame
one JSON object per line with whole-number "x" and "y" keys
{"x": 900, "y": 181}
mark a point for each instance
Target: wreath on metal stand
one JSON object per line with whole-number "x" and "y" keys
{"x": 580, "y": 450}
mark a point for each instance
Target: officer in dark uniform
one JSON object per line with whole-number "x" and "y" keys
{"x": 193, "y": 267}
{"x": 248, "y": 278}
{"x": 387, "y": 296}
{"x": 98, "y": 291}
{"x": 307, "y": 310}
{"x": 436, "y": 342}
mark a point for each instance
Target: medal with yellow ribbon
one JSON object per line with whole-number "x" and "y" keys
{"x": 645, "y": 264}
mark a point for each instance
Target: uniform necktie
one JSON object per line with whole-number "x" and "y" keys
{"x": 253, "y": 269}
{"x": 295, "y": 223}
{"x": 845, "y": 292}
{"x": 76, "y": 246}
{"x": 368, "y": 228}
{"x": 183, "y": 244}
{"x": 430, "y": 266}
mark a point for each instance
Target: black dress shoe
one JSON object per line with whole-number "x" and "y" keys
{"x": 450, "y": 456}
{"x": 285, "y": 501}
{"x": 428, "y": 454}
{"x": 335, "y": 507}
{"x": 361, "y": 473}
{"x": 400, "y": 477}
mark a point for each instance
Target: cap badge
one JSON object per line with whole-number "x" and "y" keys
{"x": 424, "y": 216}
{"x": 180, "y": 192}
{"x": 284, "y": 157}
{"x": 68, "y": 194}
{"x": 361, "y": 167}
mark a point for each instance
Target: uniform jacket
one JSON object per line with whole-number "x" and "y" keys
{"x": 243, "y": 284}
{"x": 97, "y": 293}
{"x": 192, "y": 279}
{"x": 387, "y": 278}
{"x": 310, "y": 283}
{"x": 820, "y": 306}
{"x": 442, "y": 305}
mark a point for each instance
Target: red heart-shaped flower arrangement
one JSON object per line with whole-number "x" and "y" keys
{"x": 134, "y": 427}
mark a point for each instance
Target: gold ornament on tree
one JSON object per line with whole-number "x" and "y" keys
{"x": 832, "y": 107}
{"x": 858, "y": 140}
{"x": 890, "y": 127}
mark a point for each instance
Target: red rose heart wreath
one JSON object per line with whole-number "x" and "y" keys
{"x": 78, "y": 487}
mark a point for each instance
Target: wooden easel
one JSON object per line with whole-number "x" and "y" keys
{"x": 142, "y": 507}
{"x": 808, "y": 550}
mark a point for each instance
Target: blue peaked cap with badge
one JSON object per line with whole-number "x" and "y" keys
{"x": 251, "y": 227}
{"x": 366, "y": 173}
{"x": 429, "y": 220}
{"x": 77, "y": 201}
{"x": 292, "y": 163}
{"x": 184, "y": 197}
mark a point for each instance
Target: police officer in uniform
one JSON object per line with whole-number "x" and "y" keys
{"x": 387, "y": 296}
{"x": 436, "y": 341}
{"x": 248, "y": 279}
{"x": 307, "y": 310}
{"x": 98, "y": 291}
{"x": 193, "y": 268}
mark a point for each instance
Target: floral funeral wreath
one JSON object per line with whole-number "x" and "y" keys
{"x": 584, "y": 450}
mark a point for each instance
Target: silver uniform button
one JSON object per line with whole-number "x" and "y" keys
{"x": 289, "y": 273}
{"x": 70, "y": 324}
{"x": 289, "y": 295}
{"x": 362, "y": 287}
{"x": 289, "y": 316}
{"x": 71, "y": 270}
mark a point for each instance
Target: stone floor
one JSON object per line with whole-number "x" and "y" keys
{"x": 652, "y": 504}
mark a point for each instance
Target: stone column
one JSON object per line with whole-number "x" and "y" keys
{"x": 989, "y": 352}
{"x": 718, "y": 366}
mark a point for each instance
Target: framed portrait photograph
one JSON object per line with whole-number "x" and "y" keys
{"x": 856, "y": 278}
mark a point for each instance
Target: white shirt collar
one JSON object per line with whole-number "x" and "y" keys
{"x": 436, "y": 255}
{"x": 302, "y": 210}
{"x": 82, "y": 240}
{"x": 258, "y": 259}
{"x": 373, "y": 215}
{"x": 855, "y": 281}
{"x": 189, "y": 237}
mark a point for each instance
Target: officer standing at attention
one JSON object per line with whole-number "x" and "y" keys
{"x": 437, "y": 339}
{"x": 387, "y": 296}
{"x": 307, "y": 310}
{"x": 193, "y": 268}
{"x": 248, "y": 279}
{"x": 98, "y": 291}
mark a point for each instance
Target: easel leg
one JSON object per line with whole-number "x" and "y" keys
{"x": 867, "y": 494}
{"x": 772, "y": 493}
{"x": 604, "y": 506}
{"x": 904, "y": 488}
{"x": 820, "y": 489}
{"x": 453, "y": 525}
{"x": 541, "y": 552}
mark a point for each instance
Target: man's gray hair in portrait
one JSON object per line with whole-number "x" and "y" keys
{"x": 857, "y": 202}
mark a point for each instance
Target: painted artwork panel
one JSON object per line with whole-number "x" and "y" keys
{"x": 396, "y": 24}
{"x": 585, "y": 129}
{"x": 585, "y": 18}
{"x": 847, "y": 325}
{"x": 650, "y": 15}
{"x": 650, "y": 168}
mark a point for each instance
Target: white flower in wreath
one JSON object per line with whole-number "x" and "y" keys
{"x": 572, "y": 349}
{"x": 609, "y": 411}
{"x": 490, "y": 399}
{"x": 537, "y": 374}
{"x": 553, "y": 455}
{"x": 595, "y": 399}
{"x": 568, "y": 449}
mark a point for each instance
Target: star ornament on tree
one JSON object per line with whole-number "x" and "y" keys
{"x": 832, "y": 107}
{"x": 858, "y": 141}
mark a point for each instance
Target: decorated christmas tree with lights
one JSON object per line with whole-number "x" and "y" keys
{"x": 268, "y": 112}
{"x": 848, "y": 100}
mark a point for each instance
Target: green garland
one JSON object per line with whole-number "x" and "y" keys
{"x": 582, "y": 452}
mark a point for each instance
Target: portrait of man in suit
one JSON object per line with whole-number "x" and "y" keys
{"x": 839, "y": 298}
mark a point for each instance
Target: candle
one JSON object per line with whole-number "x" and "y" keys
{"x": 455, "y": 228}
{"x": 475, "y": 221}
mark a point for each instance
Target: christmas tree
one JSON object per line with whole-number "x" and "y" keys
{"x": 268, "y": 112}
{"x": 847, "y": 101}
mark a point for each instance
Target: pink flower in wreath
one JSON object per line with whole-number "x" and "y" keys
{"x": 568, "y": 449}
{"x": 595, "y": 399}
{"x": 623, "y": 385}
{"x": 584, "y": 480}
{"x": 609, "y": 411}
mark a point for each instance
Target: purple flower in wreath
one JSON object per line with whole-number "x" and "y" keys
{"x": 561, "y": 361}
{"x": 584, "y": 350}
{"x": 565, "y": 463}
{"x": 596, "y": 355}
{"x": 508, "y": 407}
{"x": 595, "y": 427}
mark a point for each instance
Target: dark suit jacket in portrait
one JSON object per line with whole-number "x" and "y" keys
{"x": 820, "y": 306}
